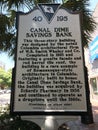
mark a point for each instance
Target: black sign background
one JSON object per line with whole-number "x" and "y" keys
{"x": 49, "y": 70}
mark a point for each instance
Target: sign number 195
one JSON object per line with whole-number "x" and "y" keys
{"x": 62, "y": 18}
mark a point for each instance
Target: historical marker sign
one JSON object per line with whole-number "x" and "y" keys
{"x": 49, "y": 71}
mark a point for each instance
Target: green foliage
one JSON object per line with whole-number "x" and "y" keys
{"x": 88, "y": 25}
{"x": 5, "y": 78}
{"x": 8, "y": 30}
{"x": 9, "y": 122}
{"x": 7, "y": 33}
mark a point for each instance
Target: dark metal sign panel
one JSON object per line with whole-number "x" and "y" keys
{"x": 49, "y": 70}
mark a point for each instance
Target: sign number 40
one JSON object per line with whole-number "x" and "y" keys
{"x": 37, "y": 18}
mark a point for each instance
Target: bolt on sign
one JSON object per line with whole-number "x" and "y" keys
{"x": 49, "y": 69}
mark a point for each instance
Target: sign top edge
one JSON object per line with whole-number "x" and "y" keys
{"x": 38, "y": 8}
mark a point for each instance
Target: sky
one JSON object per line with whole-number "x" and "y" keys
{"x": 93, "y": 4}
{"x": 8, "y": 61}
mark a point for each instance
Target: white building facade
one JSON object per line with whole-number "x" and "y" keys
{"x": 91, "y": 59}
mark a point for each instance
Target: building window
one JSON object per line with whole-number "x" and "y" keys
{"x": 94, "y": 86}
